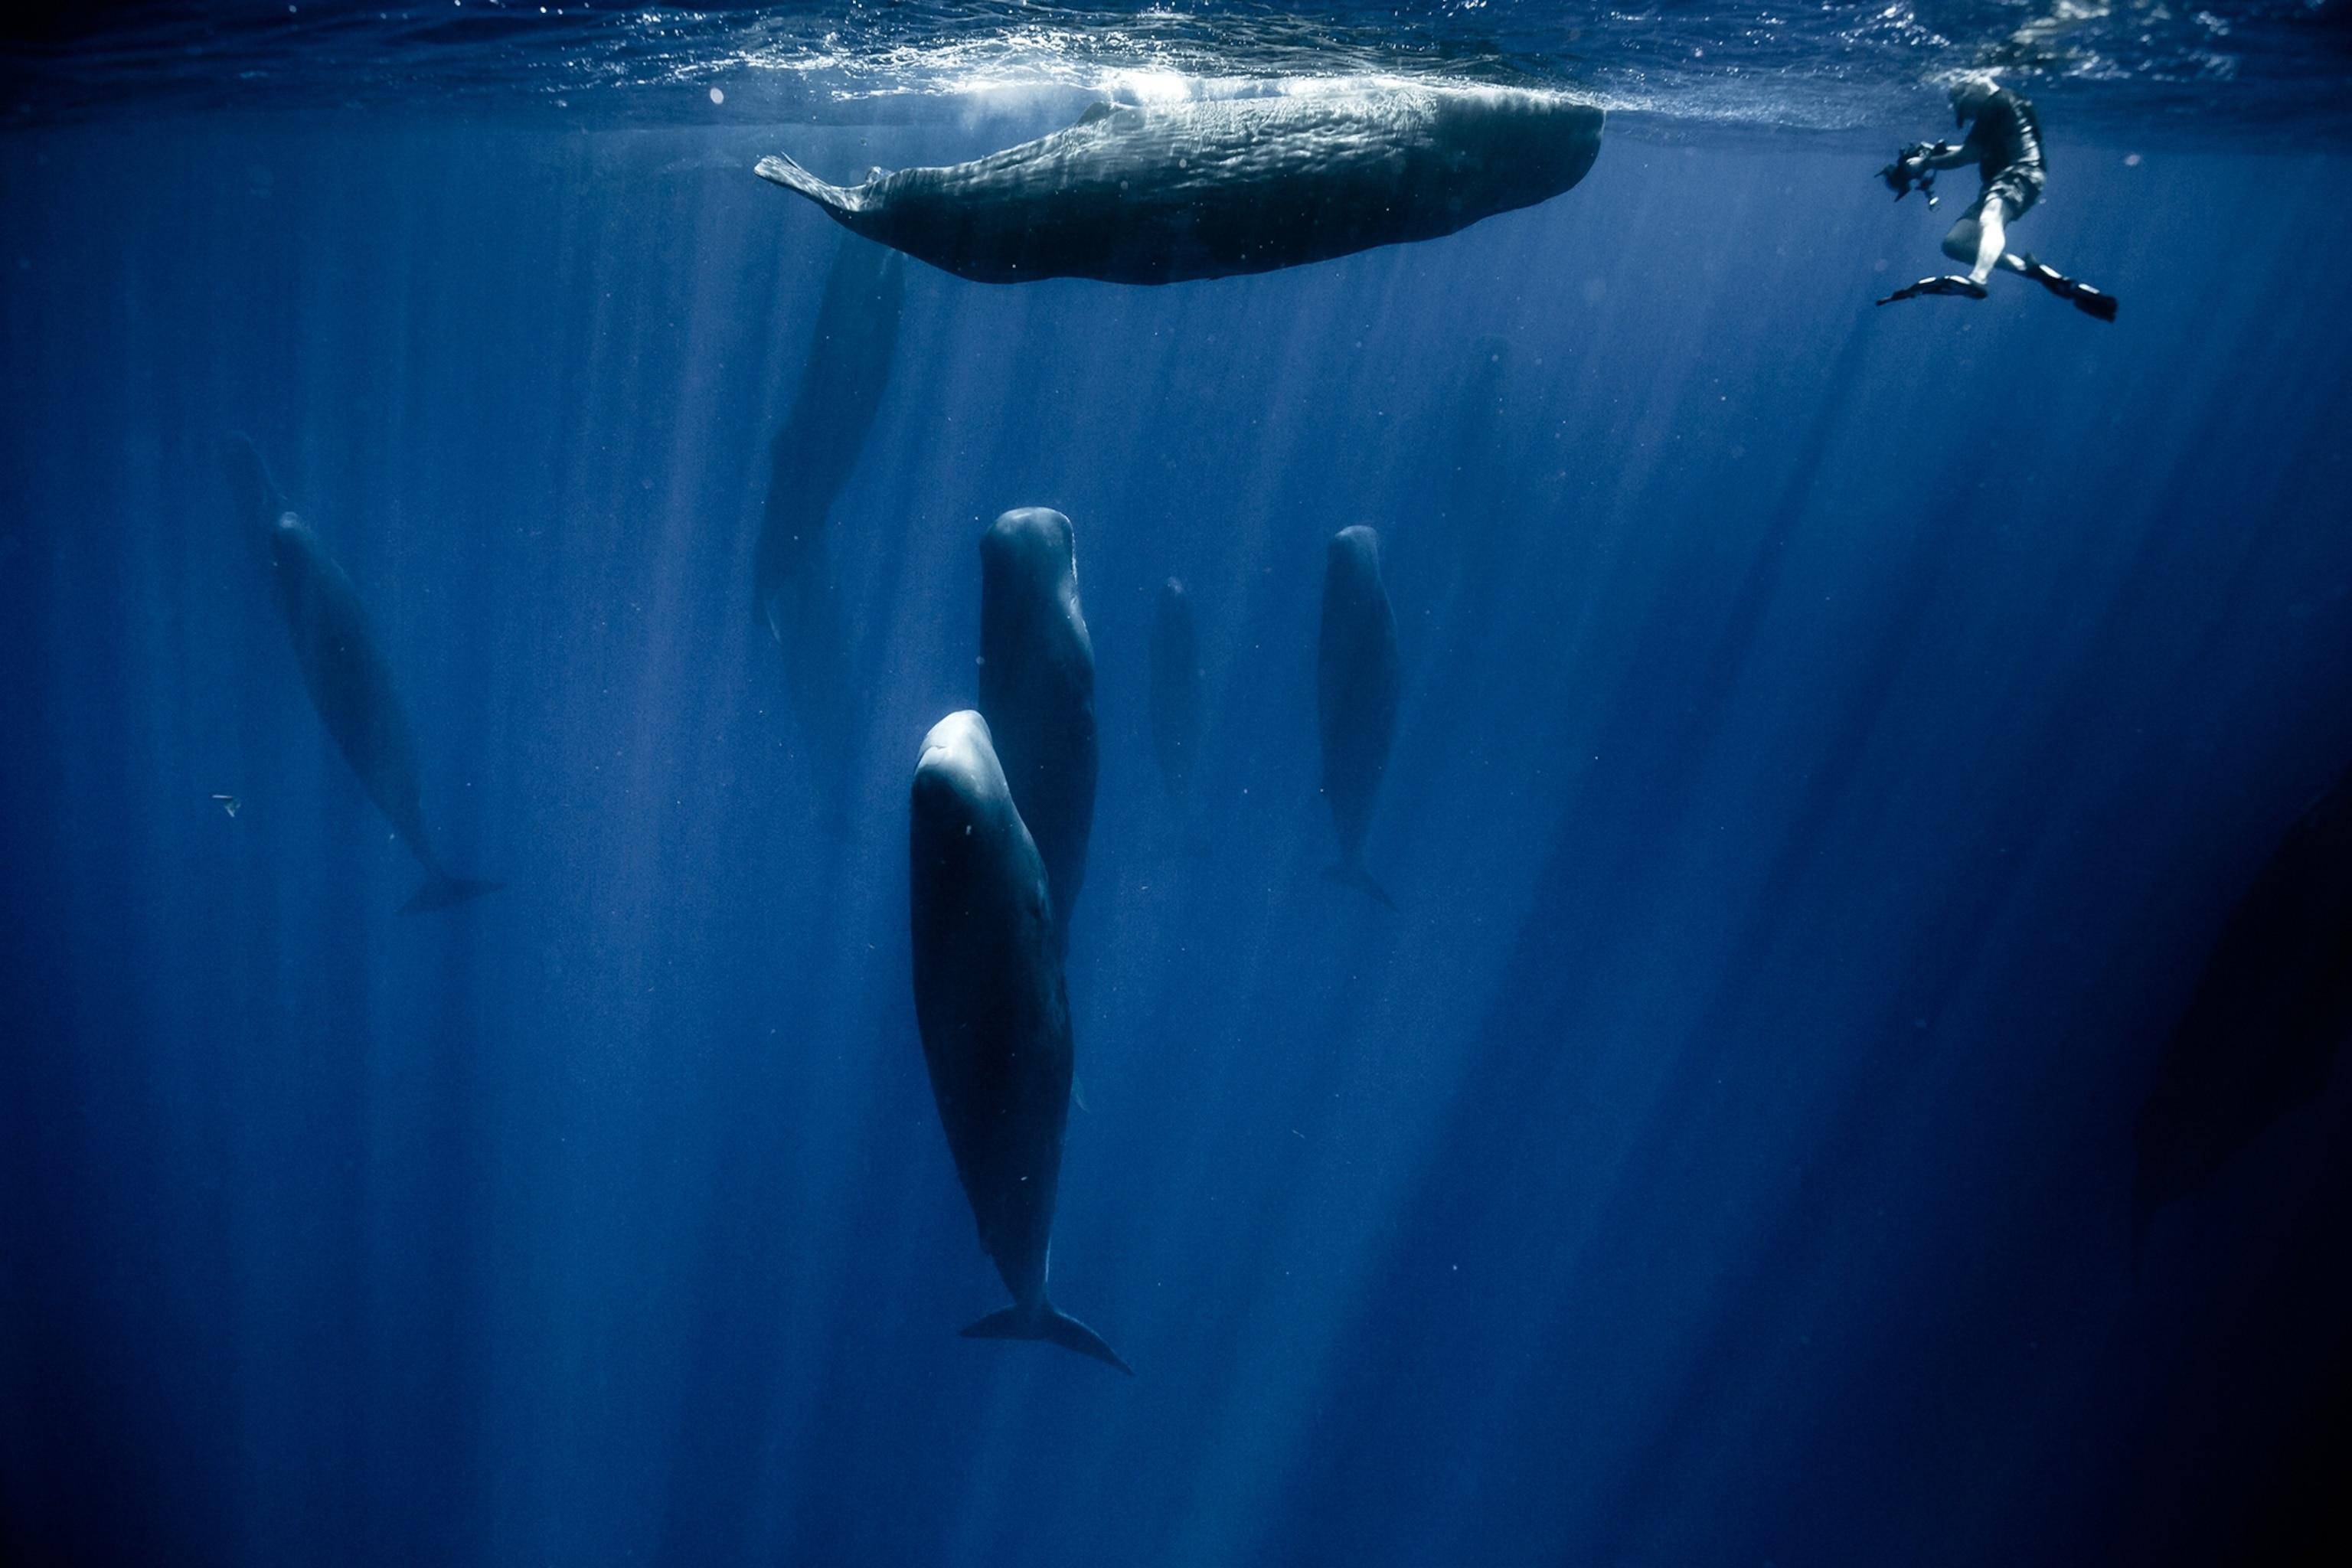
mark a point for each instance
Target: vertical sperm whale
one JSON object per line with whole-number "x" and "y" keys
{"x": 795, "y": 592}
{"x": 2271, "y": 1009}
{"x": 1358, "y": 675}
{"x": 1175, "y": 688}
{"x": 349, "y": 679}
{"x": 995, "y": 1018}
{"x": 1037, "y": 688}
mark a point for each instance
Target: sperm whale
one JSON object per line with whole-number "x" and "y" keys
{"x": 1168, "y": 192}
{"x": 347, "y": 677}
{"x": 994, "y": 1018}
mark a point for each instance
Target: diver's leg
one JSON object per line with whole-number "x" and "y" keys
{"x": 1960, "y": 245}
{"x": 1992, "y": 230}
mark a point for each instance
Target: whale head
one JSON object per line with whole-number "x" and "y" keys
{"x": 956, "y": 778}
{"x": 1034, "y": 541}
{"x": 1029, "y": 571}
{"x": 264, "y": 519}
{"x": 969, "y": 850}
{"x": 1354, "y": 554}
{"x": 1526, "y": 143}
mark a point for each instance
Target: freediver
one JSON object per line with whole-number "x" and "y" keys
{"x": 2004, "y": 143}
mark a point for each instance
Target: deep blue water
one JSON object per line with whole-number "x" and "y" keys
{"x": 1832, "y": 739}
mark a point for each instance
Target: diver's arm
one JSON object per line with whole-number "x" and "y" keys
{"x": 1944, "y": 155}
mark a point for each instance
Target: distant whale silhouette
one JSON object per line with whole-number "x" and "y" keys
{"x": 2271, "y": 1009}
{"x": 1358, "y": 675}
{"x": 1168, "y": 192}
{"x": 1175, "y": 688}
{"x": 994, "y": 1018}
{"x": 1037, "y": 688}
{"x": 794, "y": 589}
{"x": 347, "y": 677}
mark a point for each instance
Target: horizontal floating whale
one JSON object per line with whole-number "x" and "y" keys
{"x": 1169, "y": 193}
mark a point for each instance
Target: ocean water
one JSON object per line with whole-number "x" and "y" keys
{"x": 1830, "y": 741}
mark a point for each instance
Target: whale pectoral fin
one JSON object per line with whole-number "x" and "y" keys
{"x": 1013, "y": 1323}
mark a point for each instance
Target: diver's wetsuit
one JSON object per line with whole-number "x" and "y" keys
{"x": 2004, "y": 141}
{"x": 2007, "y": 140}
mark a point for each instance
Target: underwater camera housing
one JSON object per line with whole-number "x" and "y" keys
{"x": 1912, "y": 172}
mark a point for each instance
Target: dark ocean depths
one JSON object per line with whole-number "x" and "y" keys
{"x": 1832, "y": 740}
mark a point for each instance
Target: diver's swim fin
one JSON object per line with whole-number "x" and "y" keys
{"x": 2082, "y": 296}
{"x": 1950, "y": 283}
{"x": 2092, "y": 302}
{"x": 1013, "y": 1323}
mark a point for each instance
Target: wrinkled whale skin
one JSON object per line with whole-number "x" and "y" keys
{"x": 1169, "y": 193}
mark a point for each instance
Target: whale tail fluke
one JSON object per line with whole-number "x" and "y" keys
{"x": 442, "y": 890}
{"x": 833, "y": 198}
{"x": 1349, "y": 873}
{"x": 249, "y": 478}
{"x": 1045, "y": 1323}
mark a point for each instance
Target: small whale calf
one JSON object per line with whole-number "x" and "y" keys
{"x": 1168, "y": 192}
{"x": 1175, "y": 688}
{"x": 795, "y": 593}
{"x": 1358, "y": 675}
{"x": 994, "y": 1018}
{"x": 1037, "y": 688}
{"x": 349, "y": 679}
